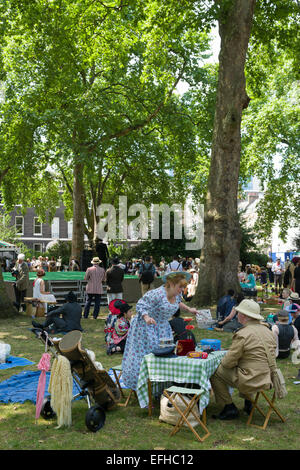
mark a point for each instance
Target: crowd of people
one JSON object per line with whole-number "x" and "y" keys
{"x": 276, "y": 275}
{"x": 158, "y": 316}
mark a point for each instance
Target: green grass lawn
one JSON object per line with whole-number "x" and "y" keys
{"x": 130, "y": 428}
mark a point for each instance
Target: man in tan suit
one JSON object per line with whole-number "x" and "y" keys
{"x": 245, "y": 366}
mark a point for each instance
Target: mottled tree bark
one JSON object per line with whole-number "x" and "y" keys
{"x": 78, "y": 212}
{"x": 222, "y": 236}
{"x": 7, "y": 308}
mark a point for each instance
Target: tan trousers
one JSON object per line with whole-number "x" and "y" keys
{"x": 221, "y": 380}
{"x": 146, "y": 287}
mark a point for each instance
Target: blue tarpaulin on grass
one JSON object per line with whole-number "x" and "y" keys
{"x": 22, "y": 387}
{"x": 13, "y": 361}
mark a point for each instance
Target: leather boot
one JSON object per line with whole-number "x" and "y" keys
{"x": 248, "y": 406}
{"x": 228, "y": 412}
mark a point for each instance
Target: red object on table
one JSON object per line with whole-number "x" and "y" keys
{"x": 184, "y": 346}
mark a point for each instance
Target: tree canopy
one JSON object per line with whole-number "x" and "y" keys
{"x": 89, "y": 101}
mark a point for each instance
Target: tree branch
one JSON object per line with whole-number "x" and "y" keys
{"x": 69, "y": 187}
{"x": 3, "y": 173}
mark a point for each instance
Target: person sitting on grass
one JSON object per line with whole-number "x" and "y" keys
{"x": 225, "y": 305}
{"x": 284, "y": 334}
{"x": 285, "y": 297}
{"x": 71, "y": 313}
{"x": 178, "y": 326}
{"x": 230, "y": 322}
{"x": 117, "y": 326}
{"x": 250, "y": 281}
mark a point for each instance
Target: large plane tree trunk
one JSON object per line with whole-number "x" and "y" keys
{"x": 78, "y": 212}
{"x": 222, "y": 236}
{"x": 7, "y": 308}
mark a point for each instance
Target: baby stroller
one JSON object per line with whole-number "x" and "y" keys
{"x": 96, "y": 386}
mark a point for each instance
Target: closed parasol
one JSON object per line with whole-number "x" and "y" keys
{"x": 43, "y": 366}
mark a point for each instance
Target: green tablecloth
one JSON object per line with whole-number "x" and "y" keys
{"x": 180, "y": 369}
{"x": 57, "y": 276}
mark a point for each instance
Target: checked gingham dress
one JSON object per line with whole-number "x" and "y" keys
{"x": 143, "y": 338}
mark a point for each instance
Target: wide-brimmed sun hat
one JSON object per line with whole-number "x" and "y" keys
{"x": 96, "y": 260}
{"x": 293, "y": 296}
{"x": 172, "y": 274}
{"x": 250, "y": 308}
{"x": 117, "y": 306}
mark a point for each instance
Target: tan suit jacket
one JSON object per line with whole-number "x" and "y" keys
{"x": 247, "y": 355}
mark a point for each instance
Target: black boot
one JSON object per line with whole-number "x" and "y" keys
{"x": 228, "y": 412}
{"x": 298, "y": 376}
{"x": 248, "y": 406}
{"x": 36, "y": 324}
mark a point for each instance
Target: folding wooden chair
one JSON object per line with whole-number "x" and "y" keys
{"x": 271, "y": 408}
{"x": 117, "y": 371}
{"x": 171, "y": 393}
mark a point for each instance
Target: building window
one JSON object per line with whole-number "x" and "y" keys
{"x": 37, "y": 226}
{"x": 70, "y": 229}
{"x": 37, "y": 248}
{"x": 19, "y": 223}
{"x": 55, "y": 228}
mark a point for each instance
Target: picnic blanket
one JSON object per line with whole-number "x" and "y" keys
{"x": 22, "y": 387}
{"x": 15, "y": 362}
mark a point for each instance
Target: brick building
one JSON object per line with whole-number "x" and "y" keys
{"x": 37, "y": 235}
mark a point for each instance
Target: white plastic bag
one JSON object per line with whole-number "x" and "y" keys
{"x": 204, "y": 318}
{"x": 4, "y": 352}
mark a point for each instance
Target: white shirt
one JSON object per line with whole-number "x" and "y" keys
{"x": 174, "y": 266}
{"x": 277, "y": 268}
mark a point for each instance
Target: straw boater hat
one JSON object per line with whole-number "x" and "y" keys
{"x": 96, "y": 260}
{"x": 175, "y": 273}
{"x": 250, "y": 308}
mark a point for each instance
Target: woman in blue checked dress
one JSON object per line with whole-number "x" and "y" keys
{"x": 151, "y": 323}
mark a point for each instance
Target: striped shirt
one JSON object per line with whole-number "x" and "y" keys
{"x": 94, "y": 275}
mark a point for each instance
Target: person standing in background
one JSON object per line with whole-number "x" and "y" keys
{"x": 114, "y": 279}
{"x": 278, "y": 270}
{"x": 22, "y": 281}
{"x": 94, "y": 277}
